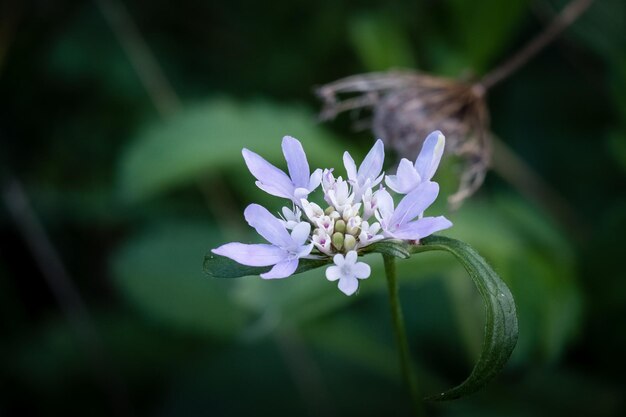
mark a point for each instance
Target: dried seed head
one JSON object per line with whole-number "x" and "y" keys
{"x": 406, "y": 106}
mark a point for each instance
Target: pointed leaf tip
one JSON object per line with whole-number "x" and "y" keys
{"x": 501, "y": 327}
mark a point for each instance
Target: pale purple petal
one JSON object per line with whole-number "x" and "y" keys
{"x": 414, "y": 203}
{"x": 361, "y": 270}
{"x": 348, "y": 285}
{"x": 300, "y": 233}
{"x": 275, "y": 191}
{"x": 282, "y": 269}
{"x": 421, "y": 228}
{"x": 373, "y": 163}
{"x": 348, "y": 162}
{"x": 299, "y": 194}
{"x": 406, "y": 178}
{"x": 428, "y": 160}
{"x": 338, "y": 260}
{"x": 260, "y": 254}
{"x": 351, "y": 257}
{"x": 305, "y": 250}
{"x": 333, "y": 273}
{"x": 276, "y": 182}
{"x": 376, "y": 181}
{"x": 268, "y": 226}
{"x": 296, "y": 161}
{"x": 315, "y": 179}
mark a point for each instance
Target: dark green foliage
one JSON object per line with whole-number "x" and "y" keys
{"x": 132, "y": 202}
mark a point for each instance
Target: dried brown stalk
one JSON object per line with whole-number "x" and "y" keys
{"x": 407, "y": 105}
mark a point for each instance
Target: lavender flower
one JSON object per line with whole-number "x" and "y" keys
{"x": 353, "y": 217}
{"x": 368, "y": 175}
{"x": 348, "y": 271}
{"x": 399, "y": 222}
{"x": 410, "y": 175}
{"x": 284, "y": 252}
{"x": 272, "y": 180}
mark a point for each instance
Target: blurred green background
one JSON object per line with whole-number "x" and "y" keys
{"x": 132, "y": 168}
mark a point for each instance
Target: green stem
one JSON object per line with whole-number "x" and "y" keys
{"x": 400, "y": 333}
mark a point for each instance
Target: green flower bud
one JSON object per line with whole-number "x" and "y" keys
{"x": 340, "y": 226}
{"x": 338, "y": 240}
{"x": 329, "y": 210}
{"x": 349, "y": 243}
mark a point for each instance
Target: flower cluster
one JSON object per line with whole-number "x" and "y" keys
{"x": 357, "y": 211}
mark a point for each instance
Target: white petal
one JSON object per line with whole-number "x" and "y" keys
{"x": 348, "y": 285}
{"x": 312, "y": 210}
{"x": 348, "y": 162}
{"x": 300, "y": 233}
{"x": 361, "y": 270}
{"x": 287, "y": 213}
{"x": 252, "y": 255}
{"x": 315, "y": 179}
{"x": 428, "y": 160}
{"x": 373, "y": 163}
{"x": 282, "y": 269}
{"x": 333, "y": 273}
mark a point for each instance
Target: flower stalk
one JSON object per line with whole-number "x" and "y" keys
{"x": 406, "y": 364}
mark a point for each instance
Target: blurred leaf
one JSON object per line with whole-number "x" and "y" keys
{"x": 160, "y": 272}
{"x": 87, "y": 50}
{"x": 380, "y": 42}
{"x": 536, "y": 262}
{"x": 352, "y": 339}
{"x": 617, "y": 86}
{"x": 209, "y": 136}
{"x": 222, "y": 267}
{"x": 484, "y": 27}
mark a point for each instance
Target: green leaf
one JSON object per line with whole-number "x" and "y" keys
{"x": 395, "y": 248}
{"x": 483, "y": 28}
{"x": 158, "y": 272}
{"x": 501, "y": 318}
{"x": 222, "y": 267}
{"x": 380, "y": 42}
{"x": 501, "y": 328}
{"x": 208, "y": 137}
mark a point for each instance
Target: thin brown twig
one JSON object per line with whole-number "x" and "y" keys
{"x": 142, "y": 59}
{"x": 10, "y": 14}
{"x": 513, "y": 169}
{"x": 67, "y": 295}
{"x": 167, "y": 102}
{"x": 563, "y": 20}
